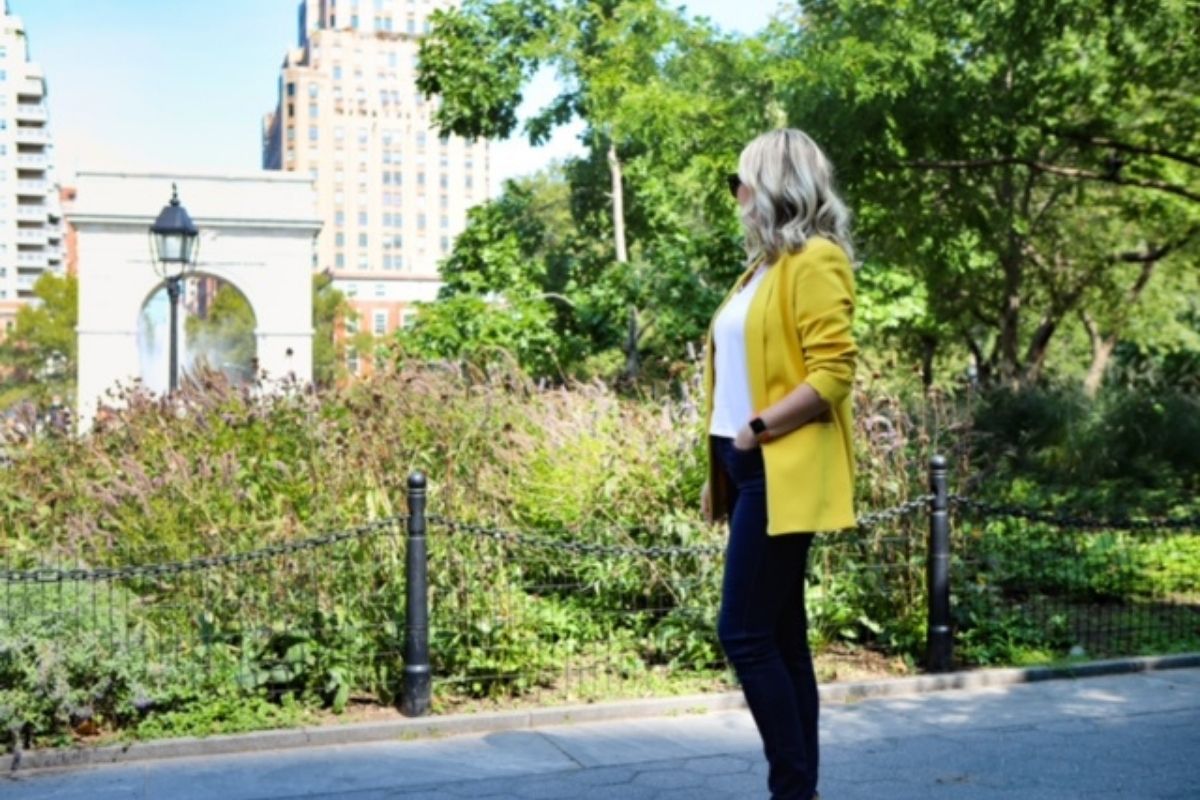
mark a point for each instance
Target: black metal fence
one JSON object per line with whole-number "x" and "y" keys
{"x": 449, "y": 612}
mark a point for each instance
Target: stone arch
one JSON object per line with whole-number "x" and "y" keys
{"x": 257, "y": 232}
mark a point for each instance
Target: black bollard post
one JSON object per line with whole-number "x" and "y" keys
{"x": 939, "y": 642}
{"x": 415, "y": 699}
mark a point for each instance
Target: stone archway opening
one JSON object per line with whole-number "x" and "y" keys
{"x": 216, "y": 333}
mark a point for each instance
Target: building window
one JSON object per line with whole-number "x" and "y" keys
{"x": 421, "y": 178}
{"x": 408, "y": 317}
{"x": 312, "y": 133}
{"x": 340, "y": 260}
{"x": 420, "y": 222}
{"x": 352, "y": 361}
{"x": 340, "y": 239}
{"x": 312, "y": 90}
{"x": 352, "y": 290}
{"x": 380, "y": 323}
{"x": 339, "y": 218}
{"x": 362, "y": 240}
{"x": 445, "y": 243}
{"x": 337, "y": 72}
{"x": 445, "y": 222}
{"x": 291, "y": 90}
{"x": 362, "y": 218}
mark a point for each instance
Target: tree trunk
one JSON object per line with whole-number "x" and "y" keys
{"x": 1103, "y": 345}
{"x": 1039, "y": 345}
{"x": 1102, "y": 349}
{"x": 928, "y": 349}
{"x": 618, "y": 203}
{"x": 1010, "y": 320}
{"x": 632, "y": 363}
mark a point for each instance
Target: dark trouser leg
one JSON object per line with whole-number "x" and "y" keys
{"x": 760, "y": 628}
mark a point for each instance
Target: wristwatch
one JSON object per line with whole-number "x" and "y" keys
{"x": 759, "y": 429}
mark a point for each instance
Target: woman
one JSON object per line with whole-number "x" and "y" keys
{"x": 779, "y": 367}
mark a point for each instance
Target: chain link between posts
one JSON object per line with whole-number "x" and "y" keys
{"x": 52, "y": 575}
{"x": 865, "y": 522}
{"x": 1075, "y": 521}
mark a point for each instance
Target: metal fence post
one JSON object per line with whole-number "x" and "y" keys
{"x": 415, "y": 699}
{"x": 939, "y": 642}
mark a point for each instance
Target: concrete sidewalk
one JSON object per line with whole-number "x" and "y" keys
{"x": 1102, "y": 738}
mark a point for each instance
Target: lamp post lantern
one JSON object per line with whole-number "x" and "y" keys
{"x": 175, "y": 242}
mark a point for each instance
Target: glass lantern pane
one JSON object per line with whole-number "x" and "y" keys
{"x": 170, "y": 247}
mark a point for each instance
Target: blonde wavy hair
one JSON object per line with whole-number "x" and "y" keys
{"x": 794, "y": 198}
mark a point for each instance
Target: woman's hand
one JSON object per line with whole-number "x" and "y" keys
{"x": 706, "y": 502}
{"x": 745, "y": 439}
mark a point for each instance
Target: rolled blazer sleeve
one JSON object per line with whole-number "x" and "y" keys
{"x": 824, "y": 308}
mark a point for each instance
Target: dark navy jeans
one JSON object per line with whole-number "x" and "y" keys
{"x": 763, "y": 627}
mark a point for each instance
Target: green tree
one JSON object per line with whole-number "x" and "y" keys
{"x": 224, "y": 339}
{"x": 1014, "y": 157}
{"x": 330, "y": 310}
{"x": 38, "y": 357}
{"x": 667, "y": 104}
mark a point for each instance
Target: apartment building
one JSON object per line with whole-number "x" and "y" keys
{"x": 392, "y": 194}
{"x": 30, "y": 211}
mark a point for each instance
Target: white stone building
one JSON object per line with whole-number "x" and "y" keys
{"x": 30, "y": 213}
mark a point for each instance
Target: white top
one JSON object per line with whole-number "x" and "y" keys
{"x": 732, "y": 405}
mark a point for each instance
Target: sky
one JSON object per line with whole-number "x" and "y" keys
{"x": 184, "y": 84}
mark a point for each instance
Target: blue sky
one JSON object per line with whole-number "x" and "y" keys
{"x": 183, "y": 84}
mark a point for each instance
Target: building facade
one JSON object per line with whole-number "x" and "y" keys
{"x": 30, "y": 211}
{"x": 391, "y": 193}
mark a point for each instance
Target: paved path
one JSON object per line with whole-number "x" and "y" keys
{"x": 1126, "y": 736}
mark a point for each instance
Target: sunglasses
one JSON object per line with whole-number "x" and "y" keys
{"x": 735, "y": 182}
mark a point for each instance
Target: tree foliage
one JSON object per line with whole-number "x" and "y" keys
{"x": 330, "y": 309}
{"x": 1015, "y": 158}
{"x": 224, "y": 338}
{"x": 1024, "y": 174}
{"x": 38, "y": 357}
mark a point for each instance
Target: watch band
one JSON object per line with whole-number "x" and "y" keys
{"x": 759, "y": 429}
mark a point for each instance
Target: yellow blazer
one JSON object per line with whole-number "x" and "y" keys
{"x": 810, "y": 470}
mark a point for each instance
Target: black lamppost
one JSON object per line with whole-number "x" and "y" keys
{"x": 174, "y": 240}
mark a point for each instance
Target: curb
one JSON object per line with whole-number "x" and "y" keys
{"x": 493, "y": 721}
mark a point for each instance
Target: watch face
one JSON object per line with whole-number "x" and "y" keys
{"x": 757, "y": 425}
